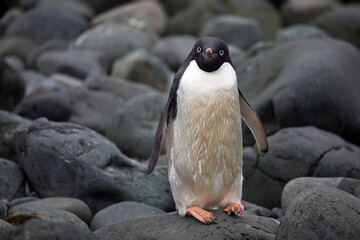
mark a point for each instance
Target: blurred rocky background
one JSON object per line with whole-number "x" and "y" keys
{"x": 82, "y": 86}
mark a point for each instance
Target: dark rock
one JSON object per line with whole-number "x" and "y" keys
{"x": 77, "y": 162}
{"x": 12, "y": 87}
{"x": 73, "y": 205}
{"x": 16, "y": 46}
{"x": 92, "y": 109}
{"x": 75, "y": 63}
{"x": 11, "y": 179}
{"x": 21, "y": 200}
{"x": 321, "y": 213}
{"x": 343, "y": 23}
{"x": 297, "y": 84}
{"x": 134, "y": 126}
{"x": 237, "y": 55}
{"x": 241, "y": 32}
{"x": 9, "y": 124}
{"x": 48, "y": 230}
{"x": 4, "y": 207}
{"x": 115, "y": 40}
{"x": 141, "y": 66}
{"x": 103, "y": 5}
{"x": 42, "y": 24}
{"x": 121, "y": 212}
{"x": 172, "y": 226}
{"x": 75, "y": 7}
{"x": 253, "y": 209}
{"x": 174, "y": 6}
{"x": 6, "y": 230}
{"x": 300, "y": 11}
{"x": 174, "y": 49}
{"x": 9, "y": 17}
{"x": 299, "y": 31}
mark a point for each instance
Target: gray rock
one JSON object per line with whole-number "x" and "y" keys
{"x": 77, "y": 162}
{"x": 293, "y": 188}
{"x": 16, "y": 46}
{"x": 12, "y": 86}
{"x": 321, "y": 213}
{"x": 299, "y": 31}
{"x": 75, "y": 63}
{"x": 172, "y": 226}
{"x": 303, "y": 11}
{"x": 115, "y": 40}
{"x": 11, "y": 179}
{"x": 120, "y": 87}
{"x": 75, "y": 7}
{"x": 42, "y": 24}
{"x": 237, "y": 55}
{"x": 241, "y": 32}
{"x": 134, "y": 126}
{"x": 297, "y": 84}
{"x": 4, "y": 207}
{"x": 73, "y": 205}
{"x": 51, "y": 45}
{"x": 48, "y": 230}
{"x": 174, "y": 6}
{"x": 342, "y": 23}
{"x": 6, "y": 230}
{"x": 9, "y": 124}
{"x": 174, "y": 49}
{"x": 93, "y": 109}
{"x": 9, "y": 17}
{"x": 136, "y": 14}
{"x": 47, "y": 213}
{"x": 141, "y": 66}
{"x": 121, "y": 212}
{"x": 22, "y": 200}
{"x": 253, "y": 209}
{"x": 103, "y": 5}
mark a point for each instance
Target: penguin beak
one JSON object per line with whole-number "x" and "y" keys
{"x": 208, "y": 53}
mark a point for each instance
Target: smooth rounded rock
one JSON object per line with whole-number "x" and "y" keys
{"x": 6, "y": 230}
{"x": 11, "y": 179}
{"x": 299, "y": 31}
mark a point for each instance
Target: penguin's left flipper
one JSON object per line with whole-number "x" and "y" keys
{"x": 159, "y": 137}
{"x": 253, "y": 121}
{"x": 236, "y": 208}
{"x": 201, "y": 215}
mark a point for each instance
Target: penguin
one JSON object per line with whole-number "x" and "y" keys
{"x": 204, "y": 135}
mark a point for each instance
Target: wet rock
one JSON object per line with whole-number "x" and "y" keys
{"x": 16, "y": 46}
{"x": 342, "y": 23}
{"x": 48, "y": 230}
{"x": 299, "y": 31}
{"x": 321, "y": 213}
{"x": 11, "y": 179}
{"x": 121, "y": 212}
{"x": 241, "y": 32}
{"x": 42, "y": 24}
{"x": 141, "y": 66}
{"x": 134, "y": 126}
{"x": 165, "y": 225}
{"x": 6, "y": 230}
{"x": 77, "y": 162}
{"x": 293, "y": 188}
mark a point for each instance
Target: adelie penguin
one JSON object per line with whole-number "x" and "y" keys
{"x": 204, "y": 135}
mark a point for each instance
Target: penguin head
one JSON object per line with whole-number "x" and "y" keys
{"x": 210, "y": 53}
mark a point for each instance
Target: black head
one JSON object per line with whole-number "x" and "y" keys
{"x": 210, "y": 53}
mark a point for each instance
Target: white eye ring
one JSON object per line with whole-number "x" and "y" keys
{"x": 221, "y": 52}
{"x": 198, "y": 49}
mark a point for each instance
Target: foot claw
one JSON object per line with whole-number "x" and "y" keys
{"x": 201, "y": 215}
{"x": 235, "y": 208}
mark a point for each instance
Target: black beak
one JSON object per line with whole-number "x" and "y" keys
{"x": 208, "y": 53}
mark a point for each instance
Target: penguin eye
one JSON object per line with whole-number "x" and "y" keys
{"x": 198, "y": 49}
{"x": 221, "y": 52}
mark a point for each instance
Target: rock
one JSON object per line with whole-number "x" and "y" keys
{"x": 115, "y": 40}
{"x": 21, "y": 200}
{"x": 253, "y": 209}
{"x": 293, "y": 188}
{"x": 241, "y": 32}
{"x": 134, "y": 126}
{"x": 342, "y": 23}
{"x": 165, "y": 225}
{"x": 303, "y": 11}
{"x": 4, "y": 207}
{"x": 77, "y": 162}
{"x": 121, "y": 212}
{"x": 11, "y": 179}
{"x": 75, "y": 63}
{"x": 48, "y": 230}
{"x": 16, "y": 46}
{"x": 73, "y": 205}
{"x": 9, "y": 17}
{"x": 299, "y": 31}
{"x": 174, "y": 49}
{"x": 121, "y": 87}
{"x": 297, "y": 84}
{"x": 92, "y": 109}
{"x": 12, "y": 87}
{"x": 136, "y": 14}
{"x": 75, "y": 7}
{"x": 321, "y": 213}
{"x": 9, "y": 124}
{"x": 47, "y": 213}
{"x": 42, "y": 24}
{"x": 237, "y": 55}
{"x": 6, "y": 230}
{"x": 141, "y": 66}
{"x": 174, "y": 6}
{"x": 103, "y": 5}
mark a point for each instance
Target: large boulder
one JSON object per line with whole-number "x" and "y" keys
{"x": 297, "y": 84}
{"x": 299, "y": 31}
{"x": 11, "y": 179}
{"x": 77, "y": 162}
{"x": 172, "y": 226}
{"x": 321, "y": 213}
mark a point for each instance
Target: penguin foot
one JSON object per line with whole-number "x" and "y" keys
{"x": 235, "y": 208}
{"x": 201, "y": 215}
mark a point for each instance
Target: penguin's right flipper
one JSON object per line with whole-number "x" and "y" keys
{"x": 159, "y": 137}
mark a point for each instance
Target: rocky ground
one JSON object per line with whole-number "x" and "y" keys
{"x": 82, "y": 86}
